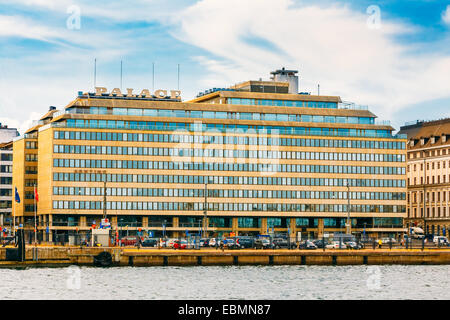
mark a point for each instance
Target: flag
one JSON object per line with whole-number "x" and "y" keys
{"x": 36, "y": 196}
{"x": 16, "y": 196}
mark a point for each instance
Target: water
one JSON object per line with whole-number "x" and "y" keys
{"x": 230, "y": 282}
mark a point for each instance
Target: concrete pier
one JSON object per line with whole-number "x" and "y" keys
{"x": 207, "y": 257}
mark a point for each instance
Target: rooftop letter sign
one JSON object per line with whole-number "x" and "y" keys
{"x": 145, "y": 93}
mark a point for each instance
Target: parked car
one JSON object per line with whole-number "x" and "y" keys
{"x": 388, "y": 240}
{"x": 230, "y": 243}
{"x": 129, "y": 241}
{"x": 335, "y": 245}
{"x": 150, "y": 242}
{"x": 204, "y": 242}
{"x": 440, "y": 239}
{"x": 170, "y": 242}
{"x": 353, "y": 245}
{"x": 212, "y": 242}
{"x": 245, "y": 242}
{"x": 263, "y": 244}
{"x": 319, "y": 243}
{"x": 280, "y": 243}
{"x": 180, "y": 244}
{"x": 307, "y": 244}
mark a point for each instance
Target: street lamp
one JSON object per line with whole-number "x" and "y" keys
{"x": 348, "y": 225}
{"x": 424, "y": 193}
{"x": 205, "y": 212}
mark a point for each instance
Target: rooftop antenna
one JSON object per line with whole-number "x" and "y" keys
{"x": 318, "y": 89}
{"x": 121, "y": 75}
{"x": 153, "y": 76}
{"x": 95, "y": 72}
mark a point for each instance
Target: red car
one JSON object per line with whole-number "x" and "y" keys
{"x": 180, "y": 244}
{"x": 129, "y": 241}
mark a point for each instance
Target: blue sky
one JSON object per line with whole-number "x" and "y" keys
{"x": 397, "y": 62}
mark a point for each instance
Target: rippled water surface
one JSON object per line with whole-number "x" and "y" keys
{"x": 231, "y": 282}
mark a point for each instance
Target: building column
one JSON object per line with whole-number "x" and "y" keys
{"x": 263, "y": 226}
{"x": 83, "y": 221}
{"x": 320, "y": 228}
{"x": 235, "y": 225}
{"x": 50, "y": 231}
{"x": 176, "y": 222}
{"x": 144, "y": 222}
{"x": 292, "y": 226}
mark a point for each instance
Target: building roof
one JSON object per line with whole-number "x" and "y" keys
{"x": 6, "y": 145}
{"x": 437, "y": 129}
{"x": 49, "y": 114}
{"x": 265, "y": 95}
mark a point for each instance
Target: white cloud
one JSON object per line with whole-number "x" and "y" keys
{"x": 446, "y": 15}
{"x": 16, "y": 26}
{"x": 332, "y": 46}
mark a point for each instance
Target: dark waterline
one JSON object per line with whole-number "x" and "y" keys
{"x": 229, "y": 282}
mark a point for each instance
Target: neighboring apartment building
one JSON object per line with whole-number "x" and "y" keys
{"x": 6, "y": 137}
{"x": 269, "y": 158}
{"x": 428, "y": 173}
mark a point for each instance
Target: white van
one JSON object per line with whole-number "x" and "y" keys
{"x": 441, "y": 239}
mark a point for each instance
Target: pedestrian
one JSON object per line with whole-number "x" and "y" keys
{"x": 380, "y": 243}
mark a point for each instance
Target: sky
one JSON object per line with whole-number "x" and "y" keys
{"x": 393, "y": 56}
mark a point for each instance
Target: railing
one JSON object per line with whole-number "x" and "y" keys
{"x": 37, "y": 122}
{"x": 59, "y": 113}
{"x": 383, "y": 122}
{"x": 352, "y": 106}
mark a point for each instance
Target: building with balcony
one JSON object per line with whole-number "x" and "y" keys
{"x": 428, "y": 170}
{"x": 254, "y": 158}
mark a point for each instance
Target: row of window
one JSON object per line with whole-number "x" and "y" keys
{"x": 249, "y": 167}
{"x": 6, "y": 168}
{"x": 282, "y": 103}
{"x": 226, "y": 222}
{"x": 228, "y": 153}
{"x": 225, "y": 128}
{"x": 198, "y": 206}
{"x": 434, "y": 179}
{"x": 31, "y": 157}
{"x": 224, "y": 193}
{"x": 191, "y": 179}
{"x": 6, "y": 156}
{"x": 221, "y": 115}
{"x": 431, "y": 196}
{"x": 227, "y": 139}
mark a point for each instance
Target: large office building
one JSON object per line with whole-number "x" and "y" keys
{"x": 254, "y": 158}
{"x": 428, "y": 174}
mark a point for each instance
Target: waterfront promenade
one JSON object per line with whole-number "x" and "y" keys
{"x": 115, "y": 256}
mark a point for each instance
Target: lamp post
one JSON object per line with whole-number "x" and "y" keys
{"x": 348, "y": 225}
{"x": 424, "y": 193}
{"x": 205, "y": 212}
{"x": 104, "y": 199}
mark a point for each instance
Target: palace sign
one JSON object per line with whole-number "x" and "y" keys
{"x": 145, "y": 93}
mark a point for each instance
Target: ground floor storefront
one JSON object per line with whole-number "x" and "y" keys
{"x": 76, "y": 228}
